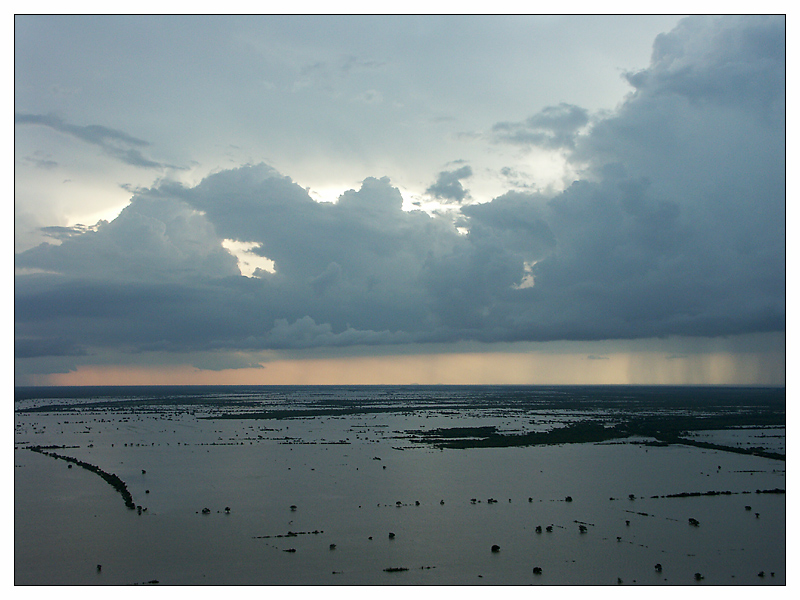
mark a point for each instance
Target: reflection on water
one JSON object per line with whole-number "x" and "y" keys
{"x": 356, "y": 477}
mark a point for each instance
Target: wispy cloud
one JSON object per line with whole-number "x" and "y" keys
{"x": 40, "y": 162}
{"x": 63, "y": 233}
{"x": 113, "y": 142}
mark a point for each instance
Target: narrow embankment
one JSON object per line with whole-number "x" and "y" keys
{"x": 110, "y": 478}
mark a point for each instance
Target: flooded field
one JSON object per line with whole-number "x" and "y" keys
{"x": 400, "y": 486}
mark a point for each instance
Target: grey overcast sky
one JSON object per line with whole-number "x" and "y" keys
{"x": 397, "y": 199}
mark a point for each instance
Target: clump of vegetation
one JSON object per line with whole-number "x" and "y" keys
{"x": 489, "y": 437}
{"x": 750, "y": 409}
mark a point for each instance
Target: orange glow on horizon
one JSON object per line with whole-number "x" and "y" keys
{"x": 462, "y": 368}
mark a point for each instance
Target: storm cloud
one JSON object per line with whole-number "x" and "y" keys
{"x": 675, "y": 227}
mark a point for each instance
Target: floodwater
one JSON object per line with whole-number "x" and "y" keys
{"x": 355, "y": 479}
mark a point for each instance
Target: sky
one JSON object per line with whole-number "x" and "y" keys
{"x": 399, "y": 199}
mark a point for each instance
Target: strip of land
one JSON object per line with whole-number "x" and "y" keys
{"x": 664, "y": 429}
{"x": 109, "y": 478}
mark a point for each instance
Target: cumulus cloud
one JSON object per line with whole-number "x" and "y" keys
{"x": 448, "y": 185}
{"x": 113, "y": 142}
{"x": 159, "y": 278}
{"x": 676, "y": 227}
{"x": 153, "y": 239}
{"x": 553, "y": 127}
{"x": 687, "y": 183}
{"x": 730, "y": 61}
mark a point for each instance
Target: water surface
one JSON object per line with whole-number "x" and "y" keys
{"x": 355, "y": 472}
